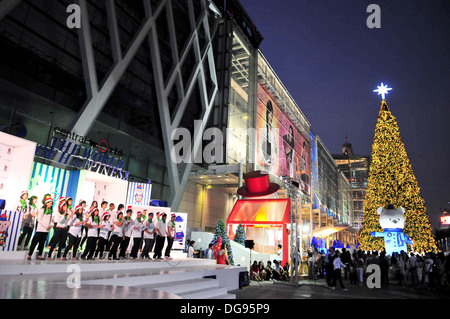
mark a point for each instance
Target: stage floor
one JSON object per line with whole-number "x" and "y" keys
{"x": 123, "y": 279}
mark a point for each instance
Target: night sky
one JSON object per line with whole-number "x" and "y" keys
{"x": 331, "y": 62}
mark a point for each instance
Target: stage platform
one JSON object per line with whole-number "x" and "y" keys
{"x": 185, "y": 278}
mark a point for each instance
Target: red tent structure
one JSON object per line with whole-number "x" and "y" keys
{"x": 265, "y": 222}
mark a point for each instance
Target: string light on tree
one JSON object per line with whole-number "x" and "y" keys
{"x": 392, "y": 181}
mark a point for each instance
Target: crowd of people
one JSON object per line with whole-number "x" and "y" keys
{"x": 101, "y": 228}
{"x": 430, "y": 271}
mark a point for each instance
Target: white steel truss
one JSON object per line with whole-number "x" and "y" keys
{"x": 99, "y": 93}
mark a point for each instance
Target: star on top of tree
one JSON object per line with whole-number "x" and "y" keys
{"x": 383, "y": 90}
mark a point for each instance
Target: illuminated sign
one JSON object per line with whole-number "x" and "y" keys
{"x": 445, "y": 220}
{"x": 102, "y": 145}
{"x": 82, "y": 158}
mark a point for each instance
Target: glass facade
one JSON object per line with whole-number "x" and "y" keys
{"x": 240, "y": 108}
{"x": 356, "y": 170}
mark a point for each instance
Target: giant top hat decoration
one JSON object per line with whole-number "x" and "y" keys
{"x": 257, "y": 183}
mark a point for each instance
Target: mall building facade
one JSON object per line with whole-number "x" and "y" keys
{"x": 106, "y": 98}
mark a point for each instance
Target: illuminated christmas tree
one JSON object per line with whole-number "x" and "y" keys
{"x": 392, "y": 181}
{"x": 240, "y": 236}
{"x": 221, "y": 232}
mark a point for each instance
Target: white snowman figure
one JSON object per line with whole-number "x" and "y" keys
{"x": 393, "y": 221}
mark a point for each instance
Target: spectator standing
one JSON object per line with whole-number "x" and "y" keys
{"x": 359, "y": 263}
{"x": 419, "y": 270}
{"x": 428, "y": 271}
{"x": 209, "y": 253}
{"x": 413, "y": 268}
{"x": 191, "y": 251}
{"x": 384, "y": 268}
{"x": 346, "y": 259}
{"x": 329, "y": 270}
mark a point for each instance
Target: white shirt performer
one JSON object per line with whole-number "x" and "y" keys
{"x": 161, "y": 233}
{"x": 170, "y": 235}
{"x": 137, "y": 227}
{"x": 149, "y": 236}
{"x": 44, "y": 219}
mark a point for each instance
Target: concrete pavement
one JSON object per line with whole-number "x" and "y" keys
{"x": 316, "y": 289}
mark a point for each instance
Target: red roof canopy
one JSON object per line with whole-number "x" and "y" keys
{"x": 260, "y": 211}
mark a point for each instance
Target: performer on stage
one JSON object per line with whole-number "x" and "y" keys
{"x": 29, "y": 221}
{"x": 149, "y": 235}
{"x": 170, "y": 235}
{"x": 44, "y": 220}
{"x": 161, "y": 233}
{"x": 127, "y": 231}
{"x": 61, "y": 222}
{"x": 117, "y": 235}
{"x": 76, "y": 223}
{"x": 137, "y": 227}
{"x": 105, "y": 229}
{"x": 92, "y": 236}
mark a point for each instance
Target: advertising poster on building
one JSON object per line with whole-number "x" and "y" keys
{"x": 281, "y": 148}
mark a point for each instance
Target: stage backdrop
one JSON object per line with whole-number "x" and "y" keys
{"x": 16, "y": 161}
{"x": 10, "y": 225}
{"x": 139, "y": 194}
{"x": 181, "y": 228}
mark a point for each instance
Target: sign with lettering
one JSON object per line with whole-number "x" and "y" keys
{"x": 445, "y": 220}
{"x": 82, "y": 158}
{"x": 103, "y": 145}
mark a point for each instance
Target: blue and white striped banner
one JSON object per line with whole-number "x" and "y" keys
{"x": 139, "y": 194}
{"x": 8, "y": 239}
{"x": 48, "y": 179}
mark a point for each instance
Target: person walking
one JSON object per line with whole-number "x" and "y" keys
{"x": 337, "y": 264}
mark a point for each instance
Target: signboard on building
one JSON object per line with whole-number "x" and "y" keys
{"x": 80, "y": 157}
{"x": 281, "y": 148}
{"x": 445, "y": 220}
